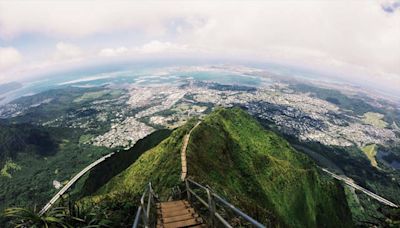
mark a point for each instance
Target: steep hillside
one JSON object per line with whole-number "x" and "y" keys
{"x": 160, "y": 165}
{"x": 255, "y": 169}
{"x": 103, "y": 172}
{"x": 17, "y": 138}
{"x": 259, "y": 171}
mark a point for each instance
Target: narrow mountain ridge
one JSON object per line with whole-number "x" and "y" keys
{"x": 255, "y": 169}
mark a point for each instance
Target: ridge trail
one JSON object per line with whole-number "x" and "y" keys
{"x": 183, "y": 152}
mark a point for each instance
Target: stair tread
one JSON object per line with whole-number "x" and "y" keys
{"x": 184, "y": 223}
{"x": 178, "y": 213}
{"x": 174, "y": 201}
{"x": 169, "y": 210}
{"x": 179, "y": 218}
{"x": 173, "y": 207}
{"x": 167, "y": 214}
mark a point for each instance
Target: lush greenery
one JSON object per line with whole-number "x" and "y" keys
{"x": 354, "y": 163}
{"x": 255, "y": 169}
{"x": 68, "y": 216}
{"x": 103, "y": 172}
{"x": 33, "y": 154}
{"x": 374, "y": 119}
{"x": 39, "y": 156}
{"x": 259, "y": 171}
{"x": 9, "y": 166}
{"x": 25, "y": 138}
{"x": 160, "y": 165}
{"x": 370, "y": 152}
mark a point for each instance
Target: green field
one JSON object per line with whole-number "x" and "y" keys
{"x": 98, "y": 94}
{"x": 374, "y": 119}
{"x": 370, "y": 152}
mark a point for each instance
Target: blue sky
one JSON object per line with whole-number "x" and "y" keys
{"x": 357, "y": 39}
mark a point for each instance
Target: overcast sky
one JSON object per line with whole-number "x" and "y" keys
{"x": 358, "y": 39}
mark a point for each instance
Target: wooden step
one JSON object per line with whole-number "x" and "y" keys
{"x": 184, "y": 223}
{"x": 171, "y": 210}
{"x": 167, "y": 203}
{"x": 179, "y": 218}
{"x": 167, "y": 214}
{"x": 179, "y": 213}
{"x": 173, "y": 207}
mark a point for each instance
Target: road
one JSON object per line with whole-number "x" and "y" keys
{"x": 351, "y": 183}
{"x": 71, "y": 182}
{"x": 183, "y": 152}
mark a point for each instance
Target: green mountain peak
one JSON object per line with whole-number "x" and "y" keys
{"x": 255, "y": 169}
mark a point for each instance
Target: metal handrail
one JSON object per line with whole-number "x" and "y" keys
{"x": 143, "y": 211}
{"x": 212, "y": 208}
{"x": 137, "y": 217}
{"x": 237, "y": 211}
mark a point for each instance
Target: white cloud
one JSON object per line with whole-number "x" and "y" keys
{"x": 81, "y": 18}
{"x": 338, "y": 36}
{"x": 156, "y": 46}
{"x": 67, "y": 51}
{"x": 9, "y": 57}
{"x": 152, "y": 47}
{"x": 112, "y": 52}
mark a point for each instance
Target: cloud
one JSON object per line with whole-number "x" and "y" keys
{"x": 112, "y": 52}
{"x": 342, "y": 37}
{"x": 67, "y": 51}
{"x": 156, "y": 46}
{"x": 152, "y": 47}
{"x": 81, "y": 18}
{"x": 9, "y": 57}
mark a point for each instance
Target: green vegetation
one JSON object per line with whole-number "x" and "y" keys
{"x": 259, "y": 171}
{"x": 85, "y": 138}
{"x": 352, "y": 162}
{"x": 253, "y": 168}
{"x": 8, "y": 167}
{"x": 89, "y": 96}
{"x": 61, "y": 110}
{"x": 374, "y": 119}
{"x": 103, "y": 172}
{"x": 160, "y": 165}
{"x": 69, "y": 216}
{"x": 45, "y": 154}
{"x": 356, "y": 104}
{"x": 20, "y": 138}
{"x": 60, "y": 104}
{"x": 32, "y": 184}
{"x": 370, "y": 152}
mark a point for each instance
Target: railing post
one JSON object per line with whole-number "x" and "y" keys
{"x": 149, "y": 199}
{"x": 144, "y": 216}
{"x": 211, "y": 207}
{"x": 187, "y": 190}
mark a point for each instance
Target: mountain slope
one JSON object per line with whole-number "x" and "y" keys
{"x": 253, "y": 168}
{"x": 263, "y": 173}
{"x": 17, "y": 138}
{"x": 104, "y": 171}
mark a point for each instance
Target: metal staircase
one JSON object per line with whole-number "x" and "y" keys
{"x": 182, "y": 213}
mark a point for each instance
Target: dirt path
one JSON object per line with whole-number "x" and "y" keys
{"x": 183, "y": 152}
